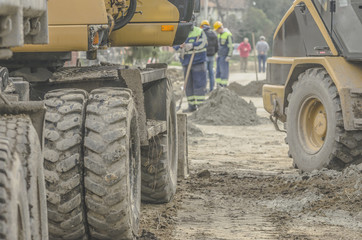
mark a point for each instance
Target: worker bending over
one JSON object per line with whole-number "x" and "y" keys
{"x": 196, "y": 83}
{"x": 224, "y": 54}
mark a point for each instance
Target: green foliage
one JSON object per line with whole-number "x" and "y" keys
{"x": 257, "y": 22}
{"x": 233, "y": 24}
{"x": 274, "y": 9}
{"x": 263, "y": 17}
{"x": 140, "y": 55}
{"x": 166, "y": 57}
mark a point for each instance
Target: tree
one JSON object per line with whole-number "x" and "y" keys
{"x": 220, "y": 10}
{"x": 264, "y": 17}
{"x": 274, "y": 9}
{"x": 257, "y": 22}
{"x": 140, "y": 55}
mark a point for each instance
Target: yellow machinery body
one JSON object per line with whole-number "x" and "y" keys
{"x": 302, "y": 41}
{"x": 71, "y": 22}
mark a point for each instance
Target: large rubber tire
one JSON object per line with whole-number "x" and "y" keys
{"x": 24, "y": 141}
{"x": 339, "y": 147}
{"x": 64, "y": 121}
{"x": 112, "y": 173}
{"x": 160, "y": 158}
{"x": 14, "y": 205}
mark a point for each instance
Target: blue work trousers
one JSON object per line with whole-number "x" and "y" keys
{"x": 210, "y": 68}
{"x": 196, "y": 85}
{"x": 262, "y": 60}
{"x": 222, "y": 71}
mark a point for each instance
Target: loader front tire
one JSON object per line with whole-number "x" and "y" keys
{"x": 315, "y": 130}
{"x": 112, "y": 174}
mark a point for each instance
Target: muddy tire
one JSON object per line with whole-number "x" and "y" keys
{"x": 316, "y": 134}
{"x": 112, "y": 174}
{"x": 24, "y": 141}
{"x": 14, "y": 208}
{"x": 159, "y": 160}
{"x": 64, "y": 123}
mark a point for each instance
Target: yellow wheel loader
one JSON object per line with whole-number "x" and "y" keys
{"x": 315, "y": 82}
{"x": 110, "y": 132}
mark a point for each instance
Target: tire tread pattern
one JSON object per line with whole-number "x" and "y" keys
{"x": 23, "y": 140}
{"x": 105, "y": 160}
{"x": 63, "y": 163}
{"x": 157, "y": 183}
{"x": 348, "y": 144}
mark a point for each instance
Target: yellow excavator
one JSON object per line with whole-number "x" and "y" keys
{"x": 108, "y": 133}
{"x": 315, "y": 82}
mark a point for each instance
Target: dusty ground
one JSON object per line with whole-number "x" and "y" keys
{"x": 242, "y": 186}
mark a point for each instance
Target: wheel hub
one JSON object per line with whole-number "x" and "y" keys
{"x": 320, "y": 124}
{"x": 312, "y": 124}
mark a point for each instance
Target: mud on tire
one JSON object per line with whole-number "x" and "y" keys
{"x": 340, "y": 147}
{"x": 159, "y": 159}
{"x": 24, "y": 142}
{"x": 14, "y": 208}
{"x": 112, "y": 165}
{"x": 64, "y": 122}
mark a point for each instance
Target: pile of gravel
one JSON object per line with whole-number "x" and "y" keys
{"x": 224, "y": 107}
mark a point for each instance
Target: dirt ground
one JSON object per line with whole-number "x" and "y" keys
{"x": 242, "y": 186}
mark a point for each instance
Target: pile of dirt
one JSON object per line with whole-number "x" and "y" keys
{"x": 253, "y": 89}
{"x": 226, "y": 108}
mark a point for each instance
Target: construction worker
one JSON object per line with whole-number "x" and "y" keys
{"x": 212, "y": 48}
{"x": 196, "y": 84}
{"x": 224, "y": 54}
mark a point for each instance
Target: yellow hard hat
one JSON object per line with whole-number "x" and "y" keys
{"x": 205, "y": 22}
{"x": 217, "y": 25}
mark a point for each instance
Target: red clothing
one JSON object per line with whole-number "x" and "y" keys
{"x": 244, "y": 49}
